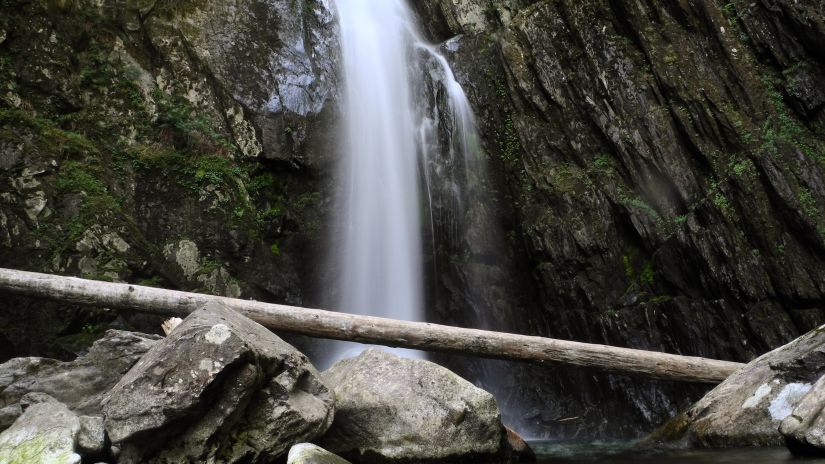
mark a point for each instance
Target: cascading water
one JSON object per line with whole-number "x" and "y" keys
{"x": 392, "y": 140}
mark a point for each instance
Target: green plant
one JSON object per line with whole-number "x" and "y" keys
{"x": 176, "y": 113}
{"x": 602, "y": 161}
{"x": 721, "y": 202}
{"x": 207, "y": 265}
{"x": 808, "y": 203}
{"x": 647, "y": 275}
{"x": 275, "y": 249}
{"x": 629, "y": 272}
{"x": 77, "y": 177}
{"x": 508, "y": 141}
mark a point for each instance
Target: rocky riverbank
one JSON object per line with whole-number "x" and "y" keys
{"x": 775, "y": 400}
{"x": 222, "y": 388}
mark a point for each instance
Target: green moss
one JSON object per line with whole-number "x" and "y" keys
{"x": 77, "y": 177}
{"x": 38, "y": 448}
{"x": 154, "y": 281}
{"x": 52, "y": 137}
{"x": 207, "y": 265}
{"x": 808, "y": 203}
{"x": 647, "y": 275}
{"x": 177, "y": 113}
{"x": 721, "y": 202}
{"x": 260, "y": 183}
{"x": 509, "y": 142}
{"x": 743, "y": 167}
{"x": 568, "y": 178}
{"x": 629, "y": 272}
{"x": 783, "y": 128}
{"x": 602, "y": 161}
{"x": 269, "y": 215}
{"x": 633, "y": 201}
{"x": 191, "y": 171}
{"x": 275, "y": 249}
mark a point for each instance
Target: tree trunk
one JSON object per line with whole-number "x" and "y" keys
{"x": 376, "y": 330}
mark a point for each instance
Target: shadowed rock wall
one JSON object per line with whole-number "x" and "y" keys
{"x": 655, "y": 174}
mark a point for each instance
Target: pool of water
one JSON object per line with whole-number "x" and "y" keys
{"x": 618, "y": 453}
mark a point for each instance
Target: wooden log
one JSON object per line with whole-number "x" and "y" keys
{"x": 376, "y": 330}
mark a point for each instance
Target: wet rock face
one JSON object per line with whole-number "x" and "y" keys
{"x": 663, "y": 173}
{"x": 219, "y": 386}
{"x": 391, "y": 409}
{"x": 655, "y": 168}
{"x": 748, "y": 408}
{"x": 173, "y": 145}
{"x": 278, "y": 61}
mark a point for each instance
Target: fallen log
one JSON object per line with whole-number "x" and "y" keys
{"x": 375, "y": 330}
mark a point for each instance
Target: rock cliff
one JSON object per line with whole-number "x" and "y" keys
{"x": 655, "y": 174}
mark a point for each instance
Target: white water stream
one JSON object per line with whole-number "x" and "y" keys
{"x": 390, "y": 139}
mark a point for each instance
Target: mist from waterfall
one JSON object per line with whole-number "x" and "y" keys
{"x": 391, "y": 141}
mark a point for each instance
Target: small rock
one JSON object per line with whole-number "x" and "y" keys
{"x": 307, "y": 453}
{"x": 394, "y": 409}
{"x": 45, "y": 432}
{"x": 92, "y": 437}
{"x": 519, "y": 448}
{"x": 220, "y": 387}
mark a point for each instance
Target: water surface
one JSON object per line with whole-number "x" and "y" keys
{"x": 617, "y": 453}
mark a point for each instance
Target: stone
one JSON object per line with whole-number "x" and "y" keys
{"x": 91, "y": 439}
{"x": 78, "y": 384}
{"x": 307, "y": 453}
{"x": 393, "y": 409}
{"x": 219, "y": 387}
{"x": 749, "y": 406}
{"x": 46, "y": 432}
{"x": 518, "y": 447}
{"x": 804, "y": 428}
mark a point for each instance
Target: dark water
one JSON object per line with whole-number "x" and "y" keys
{"x": 617, "y": 453}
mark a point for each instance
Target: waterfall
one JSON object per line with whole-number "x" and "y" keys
{"x": 393, "y": 158}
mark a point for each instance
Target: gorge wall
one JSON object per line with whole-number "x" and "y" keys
{"x": 655, "y": 171}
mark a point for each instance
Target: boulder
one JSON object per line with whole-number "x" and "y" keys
{"x": 307, "y": 453}
{"x": 78, "y": 384}
{"x": 45, "y": 432}
{"x": 804, "y": 429}
{"x": 220, "y": 387}
{"x": 519, "y": 449}
{"x": 748, "y": 407}
{"x": 394, "y": 409}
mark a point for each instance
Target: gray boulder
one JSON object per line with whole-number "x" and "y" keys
{"x": 394, "y": 409}
{"x": 804, "y": 429}
{"x": 307, "y": 453}
{"x": 46, "y": 432}
{"x": 748, "y": 407}
{"x": 79, "y": 384}
{"x": 219, "y": 388}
